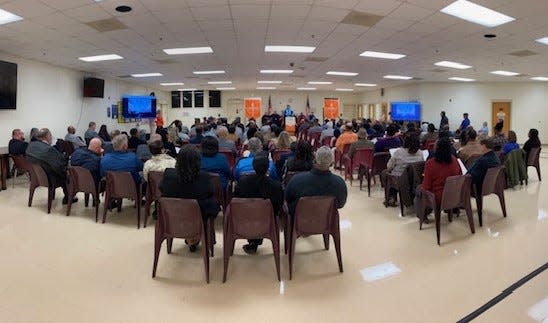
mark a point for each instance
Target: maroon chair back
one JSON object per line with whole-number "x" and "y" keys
{"x": 120, "y": 185}
{"x": 38, "y": 176}
{"x": 314, "y": 139}
{"x": 534, "y": 155}
{"x": 326, "y": 141}
{"x": 21, "y": 163}
{"x": 380, "y": 161}
{"x": 361, "y": 156}
{"x": 471, "y": 160}
{"x": 81, "y": 180}
{"x": 153, "y": 193}
{"x": 68, "y": 148}
{"x": 217, "y": 188}
{"x": 230, "y": 157}
{"x": 277, "y": 154}
{"x": 493, "y": 181}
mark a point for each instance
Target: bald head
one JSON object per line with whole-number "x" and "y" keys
{"x": 155, "y": 137}
{"x": 71, "y": 130}
{"x": 95, "y": 145}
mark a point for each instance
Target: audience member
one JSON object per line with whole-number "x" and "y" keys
{"x": 91, "y": 133}
{"x": 511, "y": 144}
{"x": 160, "y": 160}
{"x": 498, "y": 138}
{"x": 484, "y": 131}
{"x": 103, "y": 133}
{"x": 17, "y": 144}
{"x": 471, "y": 148}
{"x": 430, "y": 135}
{"x": 465, "y": 122}
{"x": 303, "y": 160}
{"x": 196, "y": 140}
{"x": 488, "y": 160}
{"x": 280, "y": 164}
{"x": 346, "y": 138}
{"x": 134, "y": 140}
{"x": 245, "y": 165}
{"x": 327, "y": 132}
{"x": 532, "y": 142}
{"x": 284, "y": 141}
{"x": 121, "y": 160}
{"x": 33, "y": 133}
{"x": 389, "y": 141}
{"x": 71, "y": 137}
{"x": 316, "y": 128}
{"x": 232, "y": 136}
{"x": 224, "y": 142}
{"x": 89, "y": 158}
{"x": 212, "y": 161}
{"x": 362, "y": 142}
{"x": 444, "y": 120}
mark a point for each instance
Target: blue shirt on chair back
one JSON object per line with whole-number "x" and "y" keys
{"x": 245, "y": 166}
{"x": 119, "y": 161}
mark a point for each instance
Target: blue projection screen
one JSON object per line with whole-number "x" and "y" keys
{"x": 139, "y": 107}
{"x": 405, "y": 111}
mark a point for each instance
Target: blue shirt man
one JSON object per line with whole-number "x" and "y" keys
{"x": 89, "y": 158}
{"x": 288, "y": 112}
{"x": 245, "y": 165}
{"x": 465, "y": 122}
{"x": 121, "y": 161}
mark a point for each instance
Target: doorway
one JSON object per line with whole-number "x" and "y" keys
{"x": 501, "y": 112}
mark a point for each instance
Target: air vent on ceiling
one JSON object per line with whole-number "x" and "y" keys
{"x": 523, "y": 53}
{"x": 438, "y": 70}
{"x": 361, "y": 19}
{"x": 316, "y": 59}
{"x": 124, "y": 76}
{"x": 166, "y": 61}
{"x": 107, "y": 25}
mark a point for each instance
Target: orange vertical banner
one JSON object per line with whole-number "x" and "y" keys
{"x": 252, "y": 108}
{"x": 331, "y": 108}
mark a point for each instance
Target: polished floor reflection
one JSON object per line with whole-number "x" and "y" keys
{"x": 70, "y": 269}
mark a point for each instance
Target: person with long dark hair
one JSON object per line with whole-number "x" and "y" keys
{"x": 532, "y": 142}
{"x": 103, "y": 133}
{"x": 187, "y": 181}
{"x": 303, "y": 159}
{"x": 259, "y": 185}
{"x": 212, "y": 161}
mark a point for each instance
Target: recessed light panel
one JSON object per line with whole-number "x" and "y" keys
{"x": 342, "y": 73}
{"x": 398, "y": 77}
{"x": 188, "y": 90}
{"x": 146, "y": 75}
{"x": 208, "y": 72}
{"x": 505, "y": 73}
{"x": 461, "y": 79}
{"x": 320, "y": 82}
{"x": 539, "y": 78}
{"x": 226, "y": 88}
{"x": 172, "y": 84}
{"x": 276, "y": 71}
{"x": 6, "y": 17}
{"x": 543, "y": 40}
{"x": 365, "y": 84}
{"x": 219, "y": 82}
{"x": 382, "y": 55}
{"x": 188, "y": 50}
{"x": 344, "y": 90}
{"x": 269, "y": 82}
{"x": 99, "y": 58}
{"x": 472, "y": 12}
{"x": 306, "y": 88}
{"x": 452, "y": 65}
{"x": 266, "y": 88}
{"x": 289, "y": 49}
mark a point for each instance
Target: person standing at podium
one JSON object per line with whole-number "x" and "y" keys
{"x": 288, "y": 112}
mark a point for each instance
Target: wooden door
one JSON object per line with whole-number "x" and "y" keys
{"x": 501, "y": 111}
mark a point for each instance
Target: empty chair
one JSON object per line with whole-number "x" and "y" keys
{"x": 361, "y": 156}
{"x": 39, "y": 178}
{"x": 456, "y": 194}
{"x": 20, "y": 166}
{"x": 380, "y": 160}
{"x": 250, "y": 218}
{"x": 120, "y": 185}
{"x": 339, "y": 156}
{"x": 81, "y": 180}
{"x": 153, "y": 193}
{"x": 493, "y": 183}
{"x": 533, "y": 161}
{"x": 182, "y": 219}
{"x": 315, "y": 215}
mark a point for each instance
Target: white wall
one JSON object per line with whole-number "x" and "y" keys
{"x": 529, "y": 103}
{"x": 50, "y": 96}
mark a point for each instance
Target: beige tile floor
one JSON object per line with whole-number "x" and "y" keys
{"x": 55, "y": 268}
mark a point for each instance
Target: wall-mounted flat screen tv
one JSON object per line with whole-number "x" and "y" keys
{"x": 8, "y": 85}
{"x": 139, "y": 106}
{"x": 405, "y": 111}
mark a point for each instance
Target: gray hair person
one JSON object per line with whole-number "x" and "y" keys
{"x": 323, "y": 158}
{"x": 119, "y": 143}
{"x": 254, "y": 145}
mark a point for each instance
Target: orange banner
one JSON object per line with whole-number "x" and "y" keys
{"x": 330, "y": 108}
{"x": 252, "y": 108}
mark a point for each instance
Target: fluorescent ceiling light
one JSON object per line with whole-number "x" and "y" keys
{"x": 172, "y": 84}
{"x": 452, "y": 65}
{"x": 344, "y": 90}
{"x": 208, "y": 72}
{"x": 269, "y": 82}
{"x": 543, "y": 40}
{"x": 188, "y": 50}
{"x": 365, "y": 84}
{"x": 381, "y": 55}
{"x": 226, "y": 88}
{"x": 341, "y": 73}
{"x": 397, "y": 77}
{"x": 6, "y": 17}
{"x": 320, "y": 82}
{"x": 306, "y": 88}
{"x": 191, "y": 89}
{"x": 461, "y": 79}
{"x": 146, "y": 75}
{"x": 219, "y": 82}
{"x": 289, "y": 49}
{"x": 99, "y": 58}
{"x": 472, "y": 12}
{"x": 504, "y": 73}
{"x": 276, "y": 71}
{"x": 266, "y": 88}
{"x": 539, "y": 78}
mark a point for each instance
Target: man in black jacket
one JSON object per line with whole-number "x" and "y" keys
{"x": 53, "y": 162}
{"x": 488, "y": 160}
{"x": 17, "y": 144}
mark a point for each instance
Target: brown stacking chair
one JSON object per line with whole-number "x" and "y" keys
{"x": 326, "y": 141}
{"x": 39, "y": 178}
{"x": 81, "y": 180}
{"x": 250, "y": 218}
{"x": 405, "y": 184}
{"x": 533, "y": 160}
{"x": 380, "y": 160}
{"x": 68, "y": 148}
{"x": 277, "y": 154}
{"x": 20, "y": 166}
{"x": 152, "y": 193}
{"x": 456, "y": 194}
{"x": 361, "y": 156}
{"x": 493, "y": 183}
{"x": 339, "y": 156}
{"x": 314, "y": 140}
{"x": 179, "y": 218}
{"x": 120, "y": 185}
{"x": 315, "y": 215}
{"x": 471, "y": 160}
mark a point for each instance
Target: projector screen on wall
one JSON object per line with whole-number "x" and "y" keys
{"x": 405, "y": 111}
{"x": 139, "y": 107}
{"x": 8, "y": 85}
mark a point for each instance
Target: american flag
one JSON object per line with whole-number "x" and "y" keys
{"x": 307, "y": 105}
{"x": 269, "y": 105}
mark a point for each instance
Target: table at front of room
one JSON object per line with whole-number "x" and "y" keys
{"x": 4, "y": 166}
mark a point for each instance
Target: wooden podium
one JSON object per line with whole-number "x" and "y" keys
{"x": 290, "y": 125}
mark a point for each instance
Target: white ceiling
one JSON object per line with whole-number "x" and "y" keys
{"x": 54, "y": 31}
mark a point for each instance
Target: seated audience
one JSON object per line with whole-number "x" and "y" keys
{"x": 51, "y": 160}
{"x": 245, "y": 165}
{"x": 121, "y": 160}
{"x": 89, "y": 158}
{"x": 259, "y": 185}
{"x": 160, "y": 160}
{"x": 430, "y": 135}
{"x": 328, "y": 131}
{"x": 484, "y": 131}
{"x": 389, "y": 141}
{"x": 362, "y": 142}
{"x": 283, "y": 141}
{"x": 303, "y": 160}
{"x": 212, "y": 161}
{"x": 91, "y": 133}
{"x": 232, "y": 135}
{"x": 315, "y": 128}
{"x": 471, "y": 148}
{"x": 187, "y": 181}
{"x": 103, "y": 133}
{"x": 280, "y": 164}
{"x": 532, "y": 142}
{"x": 134, "y": 140}
{"x": 33, "y": 133}
{"x": 197, "y": 139}
{"x": 347, "y": 137}
{"x": 224, "y": 142}
{"x": 498, "y": 138}
{"x": 488, "y": 160}
{"x": 318, "y": 182}
{"x": 17, "y": 144}
{"x": 71, "y": 137}
{"x": 511, "y": 144}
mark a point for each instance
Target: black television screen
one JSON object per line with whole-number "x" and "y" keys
{"x": 214, "y": 99}
{"x": 139, "y": 107}
{"x": 8, "y": 85}
{"x": 94, "y": 87}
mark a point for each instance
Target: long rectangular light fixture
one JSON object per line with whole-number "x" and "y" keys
{"x": 365, "y": 84}
{"x": 226, "y": 88}
{"x": 269, "y": 82}
{"x": 187, "y": 90}
{"x": 543, "y": 40}
{"x": 475, "y": 13}
{"x": 276, "y": 71}
{"x": 146, "y": 75}
{"x": 397, "y": 77}
{"x": 306, "y": 88}
{"x": 320, "y": 82}
{"x": 461, "y": 79}
{"x": 219, "y": 82}
{"x": 344, "y": 90}
{"x": 208, "y": 72}
{"x": 452, "y": 65}
{"x": 172, "y": 84}
{"x": 368, "y": 53}
{"x": 539, "y": 78}
{"x": 505, "y": 73}
{"x": 266, "y": 88}
{"x": 99, "y": 58}
{"x": 341, "y": 73}
{"x": 188, "y": 50}
{"x": 6, "y": 17}
{"x": 289, "y": 49}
